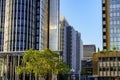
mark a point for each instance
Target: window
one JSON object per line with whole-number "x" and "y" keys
{"x": 104, "y": 29}
{"x": 103, "y": 1}
{"x": 104, "y": 37}
{"x": 103, "y": 8}
{"x": 104, "y": 22}
{"x": 104, "y": 15}
{"x": 104, "y": 44}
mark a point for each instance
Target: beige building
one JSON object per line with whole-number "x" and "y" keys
{"x": 106, "y": 65}
{"x": 87, "y": 51}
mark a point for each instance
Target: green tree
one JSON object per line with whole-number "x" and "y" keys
{"x": 42, "y": 63}
{"x": 98, "y": 49}
{"x": 114, "y": 48}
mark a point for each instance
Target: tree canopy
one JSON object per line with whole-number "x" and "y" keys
{"x": 40, "y": 63}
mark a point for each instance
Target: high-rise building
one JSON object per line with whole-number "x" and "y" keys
{"x": 74, "y": 49}
{"x": 63, "y": 36}
{"x": 71, "y": 45}
{"x": 111, "y": 24}
{"x": 26, "y": 24}
{"x": 79, "y": 51}
{"x": 29, "y": 24}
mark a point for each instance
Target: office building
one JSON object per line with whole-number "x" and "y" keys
{"x": 63, "y": 36}
{"x": 87, "y": 51}
{"x": 87, "y": 70}
{"x": 87, "y": 67}
{"x": 111, "y": 24}
{"x": 106, "y": 65}
{"x": 29, "y": 24}
{"x": 26, "y": 24}
{"x": 71, "y": 45}
{"x": 79, "y": 51}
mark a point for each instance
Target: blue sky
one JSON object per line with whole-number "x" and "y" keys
{"x": 86, "y": 17}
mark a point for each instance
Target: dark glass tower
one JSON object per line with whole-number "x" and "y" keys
{"x": 26, "y": 24}
{"x": 19, "y": 26}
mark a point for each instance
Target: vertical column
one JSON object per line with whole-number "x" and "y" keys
{"x": 107, "y": 25}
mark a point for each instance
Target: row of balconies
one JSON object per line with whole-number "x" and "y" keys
{"x": 109, "y": 73}
{"x": 107, "y": 64}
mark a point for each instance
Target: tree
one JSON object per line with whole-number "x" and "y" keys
{"x": 98, "y": 49}
{"x": 114, "y": 48}
{"x": 42, "y": 63}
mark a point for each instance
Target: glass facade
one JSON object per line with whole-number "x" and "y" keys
{"x": 42, "y": 24}
{"x": 111, "y": 24}
{"x": 54, "y": 25}
{"x": 19, "y": 25}
{"x": 2, "y": 21}
{"x": 114, "y": 10}
{"x": 26, "y": 24}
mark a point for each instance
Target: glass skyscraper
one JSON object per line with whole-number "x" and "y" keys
{"x": 26, "y": 24}
{"x": 111, "y": 24}
{"x": 54, "y": 23}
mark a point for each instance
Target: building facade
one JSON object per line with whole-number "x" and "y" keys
{"x": 54, "y": 25}
{"x": 87, "y": 51}
{"x": 79, "y": 50}
{"x": 106, "y": 65}
{"x": 87, "y": 67}
{"x": 71, "y": 45}
{"x": 29, "y": 24}
{"x": 26, "y": 24}
{"x": 63, "y": 39}
{"x": 111, "y": 24}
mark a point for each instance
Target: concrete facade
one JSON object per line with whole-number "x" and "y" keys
{"x": 106, "y": 65}
{"x": 87, "y": 51}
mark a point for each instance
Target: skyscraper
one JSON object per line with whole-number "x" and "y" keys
{"x": 111, "y": 24}
{"x": 26, "y": 24}
{"x": 29, "y": 24}
{"x": 71, "y": 45}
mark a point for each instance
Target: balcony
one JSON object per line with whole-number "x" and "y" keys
{"x": 108, "y": 73}
{"x": 115, "y": 64}
{"x": 112, "y": 73}
{"x": 111, "y": 63}
{"x": 108, "y": 64}
{"x": 116, "y": 73}
{"x": 100, "y": 73}
{"x": 104, "y": 64}
{"x": 100, "y": 64}
{"x": 104, "y": 73}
